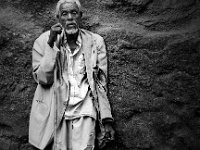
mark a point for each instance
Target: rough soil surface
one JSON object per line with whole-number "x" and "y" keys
{"x": 154, "y": 78}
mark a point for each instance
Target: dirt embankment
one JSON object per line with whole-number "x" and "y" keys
{"x": 154, "y": 53}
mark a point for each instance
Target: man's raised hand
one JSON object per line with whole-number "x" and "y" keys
{"x": 55, "y": 30}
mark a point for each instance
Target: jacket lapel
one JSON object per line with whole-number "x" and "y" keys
{"x": 90, "y": 57}
{"x": 87, "y": 48}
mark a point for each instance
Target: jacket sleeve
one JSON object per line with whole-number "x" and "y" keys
{"x": 43, "y": 60}
{"x": 101, "y": 79}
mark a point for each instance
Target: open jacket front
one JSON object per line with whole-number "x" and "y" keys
{"x": 48, "y": 105}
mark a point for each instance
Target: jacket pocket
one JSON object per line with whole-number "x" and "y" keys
{"x": 42, "y": 103}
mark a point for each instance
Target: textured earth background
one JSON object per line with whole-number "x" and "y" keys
{"x": 154, "y": 63}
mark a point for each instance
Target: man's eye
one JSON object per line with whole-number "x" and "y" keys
{"x": 74, "y": 12}
{"x": 64, "y": 13}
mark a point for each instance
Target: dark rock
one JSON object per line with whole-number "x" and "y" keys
{"x": 164, "y": 147}
{"x": 124, "y": 44}
{"x": 139, "y": 2}
{"x": 140, "y": 128}
{"x": 173, "y": 4}
{"x": 7, "y": 144}
{"x": 153, "y": 48}
{"x": 106, "y": 2}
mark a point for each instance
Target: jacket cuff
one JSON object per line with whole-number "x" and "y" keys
{"x": 108, "y": 120}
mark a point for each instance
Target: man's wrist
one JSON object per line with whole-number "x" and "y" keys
{"x": 51, "y": 44}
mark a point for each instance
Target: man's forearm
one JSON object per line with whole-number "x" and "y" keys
{"x": 44, "y": 72}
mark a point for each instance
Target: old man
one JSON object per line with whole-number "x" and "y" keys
{"x": 70, "y": 101}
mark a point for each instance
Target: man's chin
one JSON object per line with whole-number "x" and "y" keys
{"x": 71, "y": 31}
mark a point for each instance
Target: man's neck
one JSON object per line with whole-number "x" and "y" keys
{"x": 72, "y": 37}
{"x": 71, "y": 40}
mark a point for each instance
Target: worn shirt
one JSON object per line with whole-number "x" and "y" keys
{"x": 80, "y": 102}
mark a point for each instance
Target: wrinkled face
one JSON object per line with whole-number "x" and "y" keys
{"x": 70, "y": 17}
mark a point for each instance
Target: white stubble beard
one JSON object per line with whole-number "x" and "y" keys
{"x": 72, "y": 31}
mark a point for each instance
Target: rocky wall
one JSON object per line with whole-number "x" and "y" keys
{"x": 154, "y": 70}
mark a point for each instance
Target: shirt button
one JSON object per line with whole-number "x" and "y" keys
{"x": 65, "y": 103}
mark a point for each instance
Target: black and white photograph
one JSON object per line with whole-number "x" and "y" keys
{"x": 100, "y": 75}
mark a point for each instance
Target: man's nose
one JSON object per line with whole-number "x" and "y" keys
{"x": 69, "y": 16}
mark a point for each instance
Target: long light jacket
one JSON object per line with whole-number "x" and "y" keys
{"x": 48, "y": 104}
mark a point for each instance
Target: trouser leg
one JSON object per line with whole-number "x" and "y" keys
{"x": 62, "y": 141}
{"x": 83, "y": 133}
{"x": 76, "y": 134}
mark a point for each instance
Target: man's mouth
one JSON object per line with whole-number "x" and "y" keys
{"x": 71, "y": 25}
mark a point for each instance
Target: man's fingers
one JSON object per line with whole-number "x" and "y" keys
{"x": 112, "y": 134}
{"x": 57, "y": 28}
{"x": 57, "y": 25}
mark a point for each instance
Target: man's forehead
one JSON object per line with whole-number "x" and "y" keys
{"x": 69, "y": 5}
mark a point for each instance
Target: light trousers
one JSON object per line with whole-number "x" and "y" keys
{"x": 76, "y": 134}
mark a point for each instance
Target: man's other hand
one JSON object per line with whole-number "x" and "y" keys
{"x": 107, "y": 135}
{"x": 109, "y": 131}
